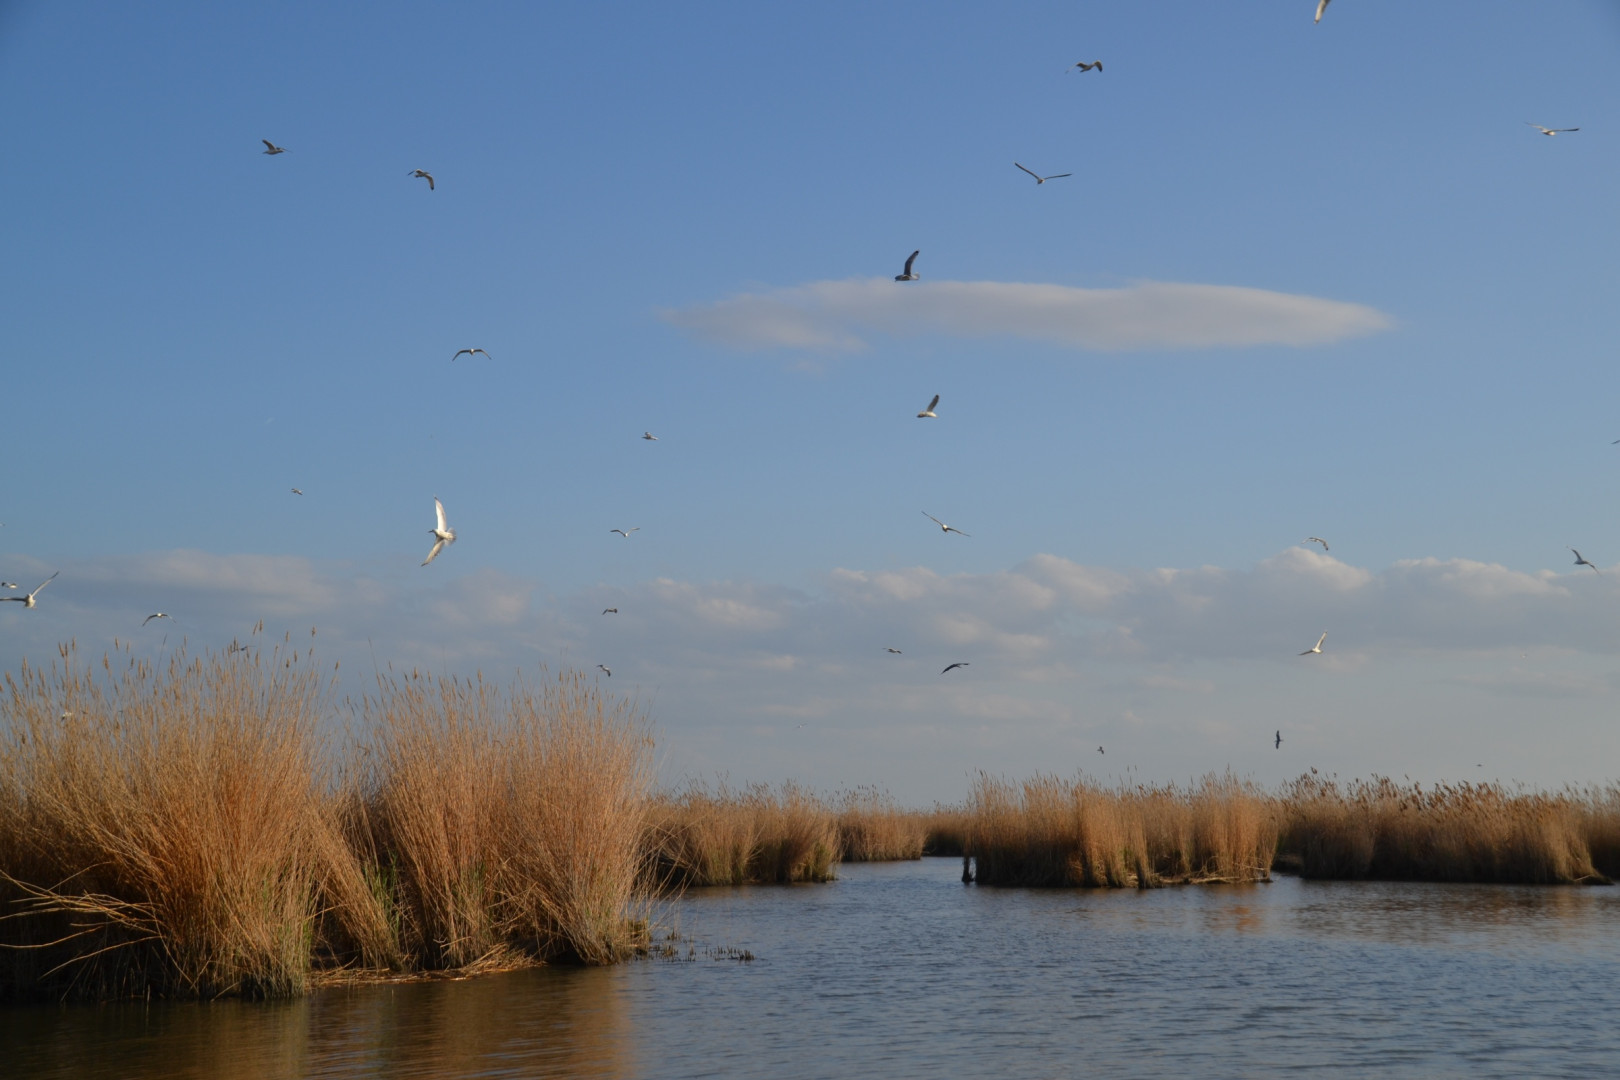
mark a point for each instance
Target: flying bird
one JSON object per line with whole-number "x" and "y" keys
{"x": 295, "y": 491}
{"x": 1278, "y": 744}
{"x": 1100, "y": 750}
{"x": 28, "y": 601}
{"x": 424, "y": 174}
{"x": 1321, "y": 6}
{"x": 1582, "y": 562}
{"x": 1316, "y": 540}
{"x": 1039, "y": 179}
{"x": 1317, "y": 647}
{"x": 895, "y": 651}
{"x": 1083, "y": 66}
{"x": 156, "y": 615}
{"x": 1550, "y": 131}
{"x": 625, "y": 533}
{"x": 959, "y": 663}
{"x": 907, "y": 275}
{"x": 8, "y": 585}
{"x": 649, "y": 436}
{"x": 928, "y": 413}
{"x": 604, "y": 667}
{"x": 610, "y": 611}
{"x": 470, "y": 352}
{"x": 272, "y": 148}
{"x": 442, "y": 532}
{"x": 942, "y": 526}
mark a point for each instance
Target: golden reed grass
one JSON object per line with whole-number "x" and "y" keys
{"x": 1050, "y": 831}
{"x": 873, "y": 828}
{"x": 180, "y": 829}
{"x": 755, "y": 835}
{"x": 1448, "y": 832}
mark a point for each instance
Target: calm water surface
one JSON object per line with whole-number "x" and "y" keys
{"x": 900, "y": 971}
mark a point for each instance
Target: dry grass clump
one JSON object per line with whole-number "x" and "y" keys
{"x": 730, "y": 837}
{"x": 946, "y": 829}
{"x": 1601, "y": 827}
{"x": 873, "y": 828}
{"x": 1048, "y": 831}
{"x": 1450, "y": 832}
{"x": 175, "y": 830}
{"x": 161, "y": 827}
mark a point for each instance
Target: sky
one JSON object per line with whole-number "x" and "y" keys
{"x": 1305, "y": 280}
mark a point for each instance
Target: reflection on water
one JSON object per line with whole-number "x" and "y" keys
{"x": 899, "y": 970}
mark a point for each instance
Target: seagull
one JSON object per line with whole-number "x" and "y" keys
{"x": 1550, "y": 131}
{"x": 942, "y": 526}
{"x": 649, "y": 436}
{"x": 1039, "y": 179}
{"x": 1317, "y": 647}
{"x": 442, "y": 533}
{"x": 470, "y": 352}
{"x": 895, "y": 651}
{"x": 1278, "y": 744}
{"x": 156, "y": 615}
{"x": 1321, "y": 6}
{"x": 928, "y": 413}
{"x": 1083, "y": 66}
{"x": 28, "y": 601}
{"x": 272, "y": 148}
{"x": 907, "y": 275}
{"x": 604, "y": 667}
{"x": 1582, "y": 562}
{"x": 610, "y": 611}
{"x": 8, "y": 585}
{"x": 1316, "y": 540}
{"x": 1100, "y": 750}
{"x": 424, "y": 174}
{"x": 959, "y": 663}
{"x": 625, "y": 533}
{"x": 295, "y": 491}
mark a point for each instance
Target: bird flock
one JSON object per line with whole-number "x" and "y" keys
{"x": 444, "y": 536}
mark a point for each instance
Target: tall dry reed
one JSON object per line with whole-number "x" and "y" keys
{"x": 1448, "y": 832}
{"x": 873, "y": 828}
{"x": 1048, "y": 831}
{"x": 754, "y": 835}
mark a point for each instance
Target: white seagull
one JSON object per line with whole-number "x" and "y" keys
{"x": 906, "y": 274}
{"x": 604, "y": 667}
{"x": 1550, "y": 131}
{"x": 9, "y": 585}
{"x": 625, "y": 532}
{"x": 1083, "y": 66}
{"x": 1316, "y": 540}
{"x": 649, "y": 436}
{"x": 28, "y": 601}
{"x": 424, "y": 174}
{"x": 1039, "y": 179}
{"x": 928, "y": 413}
{"x": 470, "y": 352}
{"x": 942, "y": 526}
{"x": 1582, "y": 562}
{"x": 272, "y": 148}
{"x": 1321, "y": 6}
{"x": 1317, "y": 647}
{"x": 442, "y": 533}
{"x": 959, "y": 663}
{"x": 156, "y": 615}
{"x": 295, "y": 491}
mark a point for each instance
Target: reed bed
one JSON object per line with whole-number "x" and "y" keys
{"x": 182, "y": 829}
{"x": 747, "y": 836}
{"x": 873, "y": 828}
{"x": 1448, "y": 832}
{"x": 946, "y": 829}
{"x": 1049, "y": 832}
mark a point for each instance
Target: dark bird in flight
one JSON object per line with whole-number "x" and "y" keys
{"x": 155, "y": 615}
{"x": 471, "y": 352}
{"x": 1582, "y": 562}
{"x": 907, "y": 274}
{"x": 1099, "y": 750}
{"x": 272, "y": 148}
{"x": 959, "y": 663}
{"x": 424, "y": 174}
{"x": 1083, "y": 66}
{"x": 604, "y": 667}
{"x": 1039, "y": 179}
{"x": 1316, "y": 540}
{"x": 1278, "y": 744}
{"x": 897, "y": 653}
{"x": 610, "y": 611}
{"x": 928, "y": 413}
{"x": 28, "y": 601}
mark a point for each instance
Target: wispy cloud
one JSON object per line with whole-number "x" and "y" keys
{"x": 1146, "y": 315}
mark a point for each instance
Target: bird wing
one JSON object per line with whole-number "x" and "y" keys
{"x": 438, "y": 546}
{"x": 954, "y": 529}
{"x": 485, "y": 352}
{"x": 1057, "y": 176}
{"x": 438, "y": 510}
{"x": 1026, "y": 170}
{"x": 44, "y": 583}
{"x": 912, "y": 259}
{"x": 149, "y": 618}
{"x": 456, "y": 357}
{"x": 1321, "y": 6}
{"x": 933, "y": 403}
{"x": 429, "y": 180}
{"x": 268, "y": 145}
{"x": 1097, "y": 64}
{"x": 935, "y": 520}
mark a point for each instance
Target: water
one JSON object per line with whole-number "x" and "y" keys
{"x": 898, "y": 970}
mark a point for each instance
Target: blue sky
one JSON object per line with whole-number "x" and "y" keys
{"x": 635, "y": 202}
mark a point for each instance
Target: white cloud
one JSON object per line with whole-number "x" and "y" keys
{"x": 1146, "y": 315}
